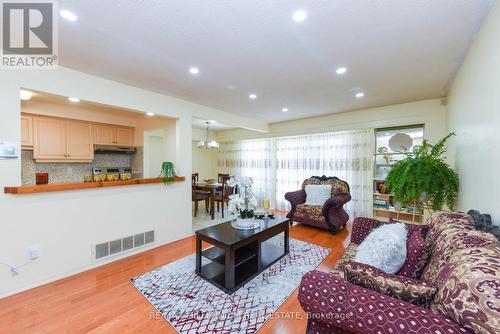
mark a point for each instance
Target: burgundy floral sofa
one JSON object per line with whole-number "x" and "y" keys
{"x": 462, "y": 266}
{"x": 331, "y": 216}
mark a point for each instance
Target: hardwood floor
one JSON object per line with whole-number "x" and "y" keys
{"x": 103, "y": 300}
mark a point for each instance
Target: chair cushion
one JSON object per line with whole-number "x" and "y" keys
{"x": 413, "y": 291}
{"x": 318, "y": 194}
{"x": 384, "y": 248}
{"x": 470, "y": 289}
{"x": 416, "y": 256}
{"x": 313, "y": 211}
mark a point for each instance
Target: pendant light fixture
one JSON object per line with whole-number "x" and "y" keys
{"x": 207, "y": 143}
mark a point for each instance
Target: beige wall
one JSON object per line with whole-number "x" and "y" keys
{"x": 474, "y": 115}
{"x": 205, "y": 162}
{"x": 432, "y": 113}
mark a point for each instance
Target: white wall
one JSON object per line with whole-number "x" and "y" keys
{"x": 66, "y": 224}
{"x": 474, "y": 115}
{"x": 432, "y": 113}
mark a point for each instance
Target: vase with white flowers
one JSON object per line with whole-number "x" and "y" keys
{"x": 244, "y": 202}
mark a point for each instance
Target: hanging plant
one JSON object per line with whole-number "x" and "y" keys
{"x": 424, "y": 179}
{"x": 168, "y": 172}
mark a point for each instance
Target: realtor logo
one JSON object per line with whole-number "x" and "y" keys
{"x": 29, "y": 34}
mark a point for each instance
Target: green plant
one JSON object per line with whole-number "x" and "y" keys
{"x": 167, "y": 172}
{"x": 425, "y": 179}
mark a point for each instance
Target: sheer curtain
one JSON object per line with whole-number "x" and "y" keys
{"x": 347, "y": 155}
{"x": 281, "y": 164}
{"x": 252, "y": 158}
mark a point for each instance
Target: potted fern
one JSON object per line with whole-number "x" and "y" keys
{"x": 424, "y": 179}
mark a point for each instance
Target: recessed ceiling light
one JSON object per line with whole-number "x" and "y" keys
{"x": 25, "y": 95}
{"x": 194, "y": 70}
{"x": 360, "y": 95}
{"x": 68, "y": 15}
{"x": 252, "y": 96}
{"x": 299, "y": 15}
{"x": 341, "y": 70}
{"x": 284, "y": 109}
{"x": 74, "y": 99}
{"x": 150, "y": 114}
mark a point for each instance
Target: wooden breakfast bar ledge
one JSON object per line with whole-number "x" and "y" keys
{"x": 42, "y": 188}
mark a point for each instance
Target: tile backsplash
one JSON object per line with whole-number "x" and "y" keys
{"x": 69, "y": 171}
{"x": 137, "y": 163}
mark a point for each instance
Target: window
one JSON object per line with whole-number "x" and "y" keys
{"x": 281, "y": 164}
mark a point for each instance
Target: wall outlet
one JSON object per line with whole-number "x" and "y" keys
{"x": 34, "y": 252}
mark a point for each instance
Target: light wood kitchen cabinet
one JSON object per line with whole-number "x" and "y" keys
{"x": 103, "y": 135}
{"x": 113, "y": 135}
{"x": 79, "y": 141}
{"x": 26, "y": 132}
{"x": 67, "y": 140}
{"x": 49, "y": 139}
{"x": 58, "y": 139}
{"x": 124, "y": 136}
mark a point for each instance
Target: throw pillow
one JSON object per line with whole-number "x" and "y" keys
{"x": 469, "y": 289}
{"x": 384, "y": 248}
{"x": 413, "y": 291}
{"x": 318, "y": 194}
{"x": 416, "y": 256}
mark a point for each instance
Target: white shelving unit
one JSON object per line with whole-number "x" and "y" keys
{"x": 384, "y": 158}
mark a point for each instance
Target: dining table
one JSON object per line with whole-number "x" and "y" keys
{"x": 212, "y": 188}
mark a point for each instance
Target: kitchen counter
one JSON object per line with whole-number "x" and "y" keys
{"x": 41, "y": 188}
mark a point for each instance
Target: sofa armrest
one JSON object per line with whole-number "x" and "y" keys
{"x": 336, "y": 302}
{"x": 296, "y": 197}
{"x": 361, "y": 227}
{"x": 336, "y": 201}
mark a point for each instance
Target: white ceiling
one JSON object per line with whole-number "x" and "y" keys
{"x": 395, "y": 51}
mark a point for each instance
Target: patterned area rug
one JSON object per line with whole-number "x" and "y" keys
{"x": 194, "y": 306}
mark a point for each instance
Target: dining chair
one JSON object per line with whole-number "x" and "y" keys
{"x": 221, "y": 176}
{"x": 197, "y": 196}
{"x": 196, "y": 177}
{"x": 223, "y": 196}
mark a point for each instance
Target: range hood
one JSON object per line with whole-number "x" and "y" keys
{"x": 114, "y": 149}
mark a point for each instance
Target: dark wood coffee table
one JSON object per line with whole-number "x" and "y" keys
{"x": 239, "y": 255}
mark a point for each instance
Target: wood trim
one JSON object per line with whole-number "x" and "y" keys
{"x": 82, "y": 185}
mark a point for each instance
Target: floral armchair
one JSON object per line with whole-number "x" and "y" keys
{"x": 331, "y": 215}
